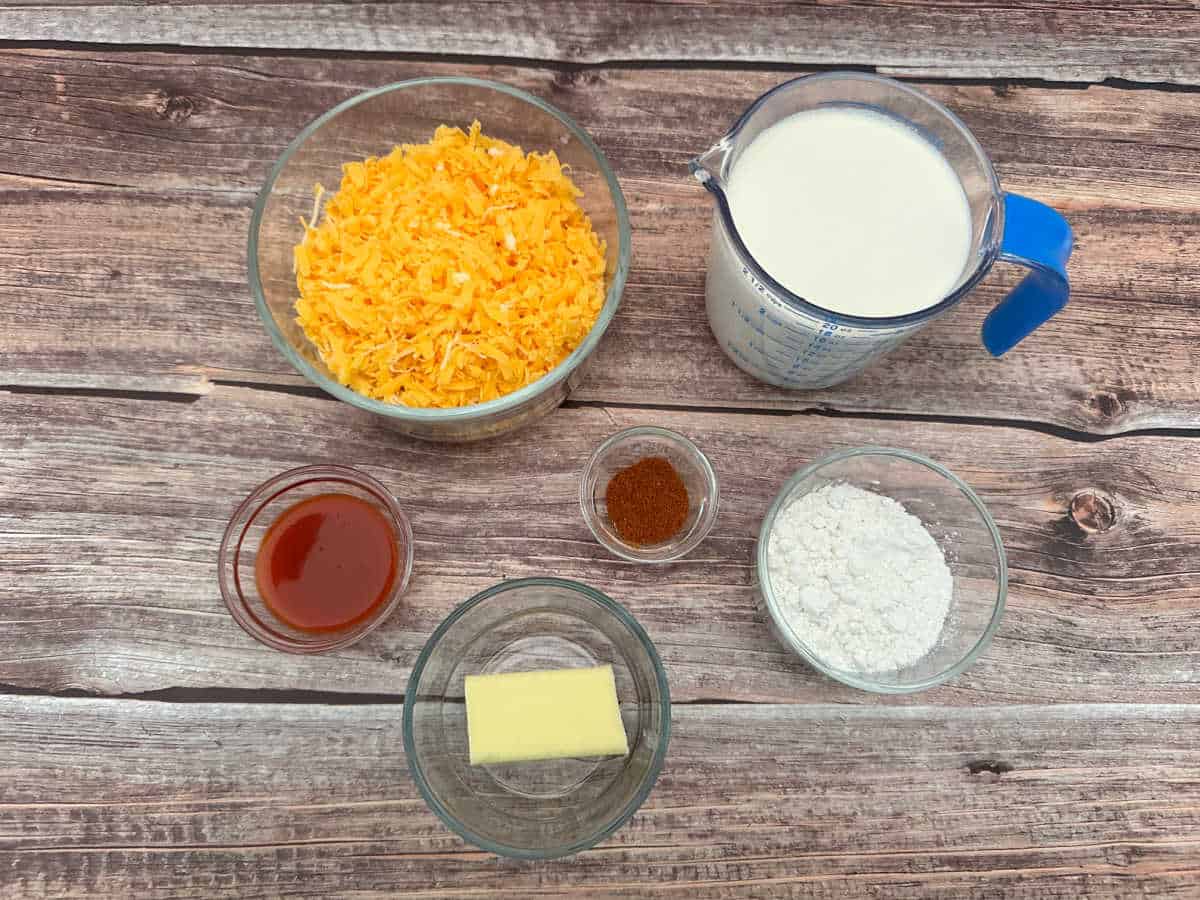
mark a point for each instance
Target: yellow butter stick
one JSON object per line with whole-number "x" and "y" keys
{"x": 525, "y": 716}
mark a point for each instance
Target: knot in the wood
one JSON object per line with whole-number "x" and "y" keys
{"x": 1092, "y": 513}
{"x": 567, "y": 80}
{"x": 174, "y": 107}
{"x": 1108, "y": 404}
{"x": 990, "y": 766}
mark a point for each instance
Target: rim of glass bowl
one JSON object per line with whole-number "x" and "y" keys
{"x": 700, "y": 530}
{"x": 656, "y": 763}
{"x": 563, "y": 370}
{"x": 245, "y": 515}
{"x": 849, "y": 678}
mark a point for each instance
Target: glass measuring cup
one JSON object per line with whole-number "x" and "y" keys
{"x": 789, "y": 341}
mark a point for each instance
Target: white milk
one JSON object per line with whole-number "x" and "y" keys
{"x": 853, "y": 211}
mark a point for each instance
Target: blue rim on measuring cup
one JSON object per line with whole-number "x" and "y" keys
{"x": 1032, "y": 235}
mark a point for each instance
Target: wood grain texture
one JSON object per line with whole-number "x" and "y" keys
{"x": 1063, "y": 764}
{"x": 111, "y": 511}
{"x": 124, "y": 798}
{"x": 127, "y": 181}
{"x": 1079, "y": 41}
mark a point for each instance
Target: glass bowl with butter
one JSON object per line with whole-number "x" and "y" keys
{"x": 536, "y": 718}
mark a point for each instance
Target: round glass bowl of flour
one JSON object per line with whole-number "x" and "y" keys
{"x": 882, "y": 569}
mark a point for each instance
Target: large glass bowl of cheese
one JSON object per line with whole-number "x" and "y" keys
{"x": 550, "y": 652}
{"x": 369, "y": 127}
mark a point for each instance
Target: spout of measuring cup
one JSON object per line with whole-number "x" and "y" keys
{"x": 709, "y": 167}
{"x": 1040, "y": 239}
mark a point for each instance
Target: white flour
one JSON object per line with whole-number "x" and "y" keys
{"x": 860, "y": 580}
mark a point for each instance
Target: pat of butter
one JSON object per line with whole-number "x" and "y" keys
{"x": 525, "y": 716}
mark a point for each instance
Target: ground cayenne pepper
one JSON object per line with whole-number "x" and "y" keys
{"x": 647, "y": 501}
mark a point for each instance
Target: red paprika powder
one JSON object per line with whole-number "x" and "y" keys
{"x": 647, "y": 501}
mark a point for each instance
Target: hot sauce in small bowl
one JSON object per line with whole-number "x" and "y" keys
{"x": 326, "y": 562}
{"x": 315, "y": 558}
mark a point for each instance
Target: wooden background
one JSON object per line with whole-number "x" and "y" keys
{"x": 150, "y": 749}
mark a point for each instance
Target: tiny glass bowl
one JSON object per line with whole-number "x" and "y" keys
{"x": 549, "y": 808}
{"x": 624, "y": 449}
{"x": 247, "y": 528}
{"x": 959, "y": 523}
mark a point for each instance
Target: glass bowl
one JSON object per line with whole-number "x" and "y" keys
{"x": 371, "y": 124}
{"x": 247, "y": 528}
{"x": 624, "y": 449}
{"x": 959, "y": 523}
{"x": 554, "y": 807}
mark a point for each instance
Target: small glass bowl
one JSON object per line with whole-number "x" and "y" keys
{"x": 624, "y": 449}
{"x": 550, "y": 808}
{"x": 249, "y": 525}
{"x": 963, "y": 529}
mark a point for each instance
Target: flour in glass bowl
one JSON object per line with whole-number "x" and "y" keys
{"x": 861, "y": 582}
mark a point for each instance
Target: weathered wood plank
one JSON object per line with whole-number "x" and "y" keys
{"x": 130, "y": 178}
{"x": 126, "y": 798}
{"x": 1155, "y": 42}
{"x": 111, "y": 511}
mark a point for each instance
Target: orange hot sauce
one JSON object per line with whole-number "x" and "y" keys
{"x": 326, "y": 563}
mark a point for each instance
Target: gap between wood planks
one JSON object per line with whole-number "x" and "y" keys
{"x": 577, "y": 68}
{"x": 266, "y": 696}
{"x": 313, "y": 392}
{"x": 217, "y": 695}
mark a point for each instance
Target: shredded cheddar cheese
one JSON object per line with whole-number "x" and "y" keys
{"x": 448, "y": 273}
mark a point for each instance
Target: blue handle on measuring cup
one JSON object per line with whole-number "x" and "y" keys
{"x": 1038, "y": 238}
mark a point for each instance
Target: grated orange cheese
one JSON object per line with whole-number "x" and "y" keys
{"x": 449, "y": 273}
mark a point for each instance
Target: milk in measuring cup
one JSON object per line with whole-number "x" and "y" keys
{"x": 853, "y": 211}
